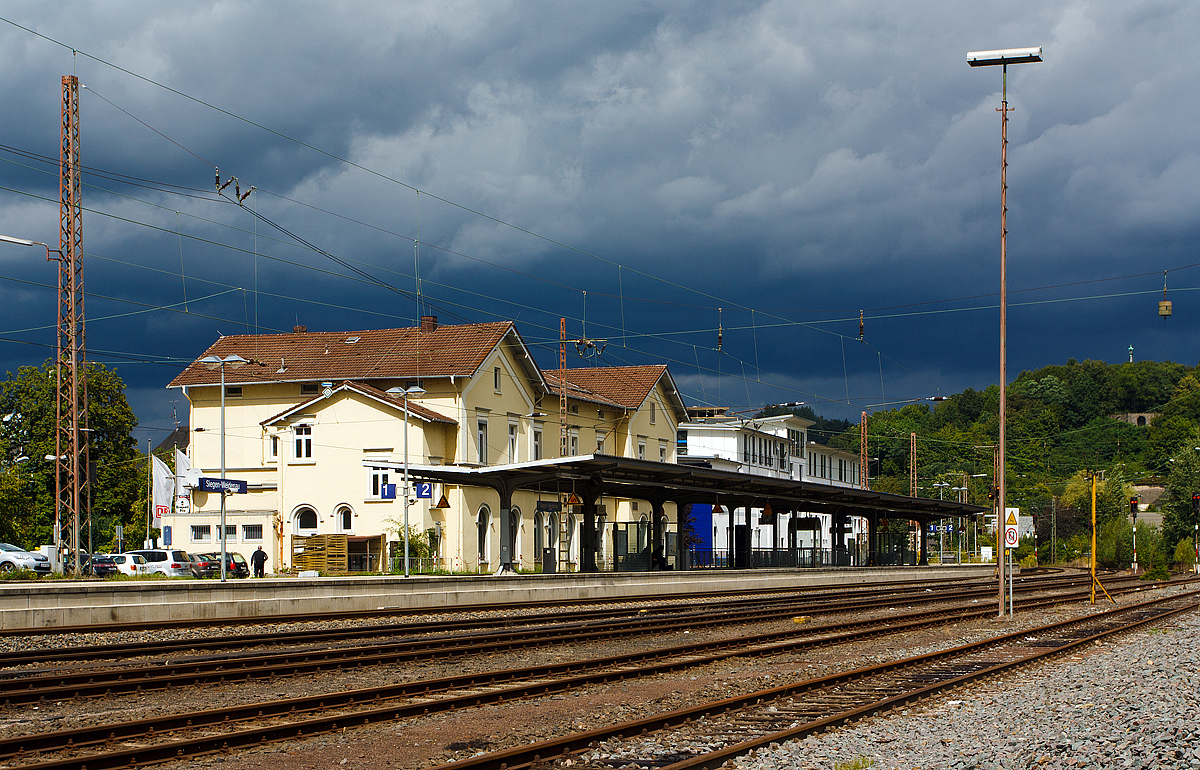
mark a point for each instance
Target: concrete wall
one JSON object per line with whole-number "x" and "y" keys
{"x": 46, "y": 605}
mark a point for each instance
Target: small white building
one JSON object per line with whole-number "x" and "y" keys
{"x": 765, "y": 446}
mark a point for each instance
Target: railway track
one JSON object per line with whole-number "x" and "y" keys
{"x": 708, "y": 736}
{"x": 752, "y": 609}
{"x": 709, "y": 598}
{"x": 76, "y": 682}
{"x": 193, "y": 734}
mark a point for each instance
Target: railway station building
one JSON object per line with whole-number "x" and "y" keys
{"x": 316, "y": 425}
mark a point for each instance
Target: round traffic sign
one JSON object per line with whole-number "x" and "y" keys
{"x": 1010, "y": 537}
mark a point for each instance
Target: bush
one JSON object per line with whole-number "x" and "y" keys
{"x": 1157, "y": 573}
{"x": 18, "y": 574}
{"x": 1185, "y": 553}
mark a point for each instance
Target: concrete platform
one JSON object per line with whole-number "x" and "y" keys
{"x": 53, "y": 604}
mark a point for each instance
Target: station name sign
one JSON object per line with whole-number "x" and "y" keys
{"x": 222, "y": 485}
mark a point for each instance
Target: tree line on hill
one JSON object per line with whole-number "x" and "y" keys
{"x": 1063, "y": 424}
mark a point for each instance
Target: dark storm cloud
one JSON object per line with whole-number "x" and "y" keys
{"x": 804, "y": 160}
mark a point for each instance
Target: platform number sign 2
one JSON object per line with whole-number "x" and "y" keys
{"x": 424, "y": 490}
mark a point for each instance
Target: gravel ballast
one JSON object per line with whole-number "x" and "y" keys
{"x": 1132, "y": 702}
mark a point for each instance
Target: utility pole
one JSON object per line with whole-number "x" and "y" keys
{"x": 862, "y": 452}
{"x": 583, "y": 346}
{"x": 912, "y": 464}
{"x": 71, "y": 454}
{"x": 562, "y": 387}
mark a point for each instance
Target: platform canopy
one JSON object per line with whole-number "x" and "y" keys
{"x": 648, "y": 480}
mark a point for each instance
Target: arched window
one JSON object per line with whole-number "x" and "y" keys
{"x": 306, "y": 521}
{"x": 539, "y": 536}
{"x": 344, "y": 519}
{"x": 572, "y": 541}
{"x": 482, "y": 523}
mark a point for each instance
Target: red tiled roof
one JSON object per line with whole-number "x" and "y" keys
{"x": 623, "y": 386}
{"x": 414, "y": 408}
{"x": 406, "y": 353}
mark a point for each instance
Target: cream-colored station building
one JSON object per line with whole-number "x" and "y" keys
{"x": 304, "y": 419}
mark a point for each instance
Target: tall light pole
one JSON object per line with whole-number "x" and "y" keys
{"x": 1003, "y": 58}
{"x": 941, "y": 488}
{"x": 216, "y": 362}
{"x": 415, "y": 390}
{"x": 958, "y": 536}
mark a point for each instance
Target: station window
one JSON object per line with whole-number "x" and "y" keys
{"x": 303, "y": 442}
{"x": 201, "y": 533}
{"x": 251, "y": 533}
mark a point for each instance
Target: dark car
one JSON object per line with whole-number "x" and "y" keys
{"x": 205, "y": 565}
{"x": 103, "y": 566}
{"x": 236, "y": 566}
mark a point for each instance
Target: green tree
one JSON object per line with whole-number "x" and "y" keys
{"x": 27, "y": 436}
{"x": 1183, "y": 481}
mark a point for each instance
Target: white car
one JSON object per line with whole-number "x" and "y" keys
{"x": 169, "y": 562}
{"x": 132, "y": 564}
{"x": 12, "y": 557}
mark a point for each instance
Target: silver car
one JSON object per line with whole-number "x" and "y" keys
{"x": 12, "y": 557}
{"x": 169, "y": 562}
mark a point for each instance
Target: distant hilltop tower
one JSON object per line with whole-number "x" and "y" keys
{"x": 1131, "y": 354}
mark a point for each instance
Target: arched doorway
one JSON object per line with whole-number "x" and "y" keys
{"x": 539, "y": 536}
{"x": 483, "y": 528}
{"x": 514, "y": 534}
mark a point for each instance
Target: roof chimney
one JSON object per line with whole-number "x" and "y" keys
{"x": 428, "y": 323}
{"x": 299, "y": 329}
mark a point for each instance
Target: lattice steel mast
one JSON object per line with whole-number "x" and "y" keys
{"x": 70, "y": 443}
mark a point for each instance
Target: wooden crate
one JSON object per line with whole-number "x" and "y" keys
{"x": 324, "y": 553}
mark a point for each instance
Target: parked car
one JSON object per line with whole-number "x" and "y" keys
{"x": 102, "y": 565}
{"x": 85, "y": 563}
{"x": 132, "y": 564}
{"x": 12, "y": 557}
{"x": 204, "y": 565}
{"x": 168, "y": 562}
{"x": 236, "y": 566}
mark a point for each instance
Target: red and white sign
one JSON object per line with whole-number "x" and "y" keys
{"x": 1011, "y": 528}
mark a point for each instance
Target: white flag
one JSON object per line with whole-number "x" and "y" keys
{"x": 185, "y": 476}
{"x": 164, "y": 489}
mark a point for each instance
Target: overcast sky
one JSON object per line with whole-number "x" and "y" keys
{"x": 791, "y": 163}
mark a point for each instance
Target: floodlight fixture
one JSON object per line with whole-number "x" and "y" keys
{"x": 1004, "y": 56}
{"x": 20, "y": 241}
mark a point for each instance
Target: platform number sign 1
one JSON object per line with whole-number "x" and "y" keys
{"x": 424, "y": 490}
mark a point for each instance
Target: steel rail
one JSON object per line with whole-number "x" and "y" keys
{"x": 13, "y": 659}
{"x": 111, "y": 681}
{"x": 543, "y": 754}
{"x": 601, "y": 670}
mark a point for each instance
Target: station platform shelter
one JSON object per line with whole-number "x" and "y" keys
{"x": 681, "y": 501}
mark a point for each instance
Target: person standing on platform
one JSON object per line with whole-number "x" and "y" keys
{"x": 259, "y": 561}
